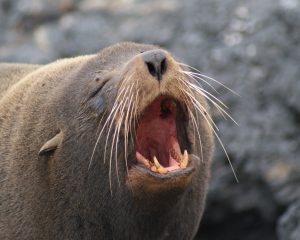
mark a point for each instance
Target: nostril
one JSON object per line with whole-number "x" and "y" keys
{"x": 163, "y": 66}
{"x": 151, "y": 68}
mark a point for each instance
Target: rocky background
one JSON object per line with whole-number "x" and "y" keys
{"x": 251, "y": 46}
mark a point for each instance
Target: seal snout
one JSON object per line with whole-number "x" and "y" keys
{"x": 156, "y": 61}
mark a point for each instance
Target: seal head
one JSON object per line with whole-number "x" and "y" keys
{"x": 116, "y": 145}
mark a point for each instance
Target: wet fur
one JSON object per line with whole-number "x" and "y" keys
{"x": 56, "y": 195}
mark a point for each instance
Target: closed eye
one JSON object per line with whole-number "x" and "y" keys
{"x": 98, "y": 89}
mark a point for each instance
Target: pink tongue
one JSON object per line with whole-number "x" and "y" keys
{"x": 173, "y": 162}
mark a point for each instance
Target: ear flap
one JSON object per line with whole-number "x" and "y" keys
{"x": 52, "y": 144}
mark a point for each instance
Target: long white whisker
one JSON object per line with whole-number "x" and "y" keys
{"x": 114, "y": 112}
{"x": 219, "y": 140}
{"x": 195, "y": 124}
{"x": 201, "y": 109}
{"x": 198, "y": 89}
{"x": 126, "y": 128}
{"x": 108, "y": 118}
{"x": 212, "y": 101}
{"x": 120, "y": 106}
{"x": 192, "y": 116}
{"x": 204, "y": 93}
{"x": 214, "y": 80}
{"x": 227, "y": 156}
{"x": 197, "y": 105}
{"x": 110, "y": 161}
{"x": 109, "y": 129}
{"x": 203, "y": 90}
{"x": 106, "y": 122}
{"x": 135, "y": 115}
{"x": 201, "y": 79}
{"x": 98, "y": 139}
{"x": 117, "y": 129}
{"x": 207, "y": 77}
{"x": 119, "y": 124}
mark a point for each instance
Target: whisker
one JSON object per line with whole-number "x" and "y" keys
{"x": 200, "y": 91}
{"x": 108, "y": 118}
{"x": 135, "y": 122}
{"x": 227, "y": 156}
{"x": 219, "y": 140}
{"x": 199, "y": 136}
{"x": 214, "y": 80}
{"x": 196, "y": 103}
{"x": 98, "y": 128}
{"x": 110, "y": 161}
{"x": 201, "y": 79}
{"x": 106, "y": 122}
{"x": 126, "y": 127}
{"x": 110, "y": 126}
{"x": 203, "y": 90}
{"x": 201, "y": 109}
{"x": 185, "y": 99}
{"x": 207, "y": 77}
{"x": 111, "y": 116}
{"x": 118, "y": 135}
{"x": 195, "y": 125}
{"x": 117, "y": 132}
{"x": 213, "y": 102}
{"x": 219, "y": 108}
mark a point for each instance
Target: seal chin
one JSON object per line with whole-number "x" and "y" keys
{"x": 144, "y": 182}
{"x": 162, "y": 146}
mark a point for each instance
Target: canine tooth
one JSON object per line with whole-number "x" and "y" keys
{"x": 143, "y": 160}
{"x": 148, "y": 164}
{"x": 185, "y": 159}
{"x": 159, "y": 167}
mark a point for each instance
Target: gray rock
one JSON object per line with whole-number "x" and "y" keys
{"x": 25, "y": 54}
{"x": 289, "y": 223}
{"x": 250, "y": 46}
{"x": 76, "y": 34}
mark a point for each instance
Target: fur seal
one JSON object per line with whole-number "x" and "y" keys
{"x": 116, "y": 145}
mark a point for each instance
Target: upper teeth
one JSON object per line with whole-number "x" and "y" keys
{"x": 185, "y": 159}
{"x": 143, "y": 160}
{"x": 159, "y": 167}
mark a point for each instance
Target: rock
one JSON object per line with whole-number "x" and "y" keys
{"x": 27, "y": 14}
{"x": 289, "y": 223}
{"x": 250, "y": 46}
{"x": 76, "y": 34}
{"x": 26, "y": 53}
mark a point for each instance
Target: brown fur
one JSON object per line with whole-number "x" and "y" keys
{"x": 55, "y": 195}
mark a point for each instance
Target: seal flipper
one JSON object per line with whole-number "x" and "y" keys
{"x": 52, "y": 144}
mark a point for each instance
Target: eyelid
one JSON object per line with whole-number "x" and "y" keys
{"x": 98, "y": 89}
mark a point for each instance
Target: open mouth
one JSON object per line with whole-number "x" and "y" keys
{"x": 160, "y": 142}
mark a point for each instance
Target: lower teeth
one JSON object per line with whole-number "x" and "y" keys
{"x": 155, "y": 166}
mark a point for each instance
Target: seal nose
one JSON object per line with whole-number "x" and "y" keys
{"x": 156, "y": 62}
